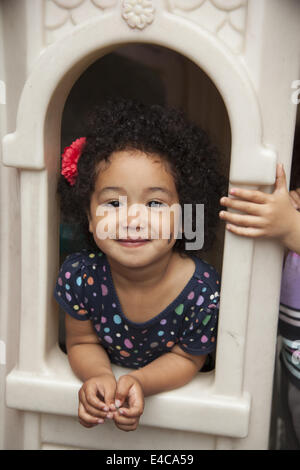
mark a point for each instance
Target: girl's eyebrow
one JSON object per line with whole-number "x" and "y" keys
{"x": 110, "y": 188}
{"x": 154, "y": 189}
{"x": 151, "y": 189}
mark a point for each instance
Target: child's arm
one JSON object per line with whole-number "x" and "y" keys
{"x": 266, "y": 215}
{"x": 170, "y": 371}
{"x": 91, "y": 364}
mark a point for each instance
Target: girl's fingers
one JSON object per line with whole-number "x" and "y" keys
{"x": 121, "y": 419}
{"x": 132, "y": 412}
{"x": 124, "y": 423}
{"x": 86, "y": 424}
{"x": 86, "y": 419}
{"x": 129, "y": 388}
{"x": 92, "y": 406}
{"x": 90, "y": 396}
{"x": 109, "y": 395}
{"x": 127, "y": 428}
{"x": 241, "y": 220}
{"x": 94, "y": 411}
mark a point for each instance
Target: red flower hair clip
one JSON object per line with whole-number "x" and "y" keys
{"x": 70, "y": 158}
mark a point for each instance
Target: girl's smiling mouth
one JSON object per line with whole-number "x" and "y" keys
{"x": 133, "y": 242}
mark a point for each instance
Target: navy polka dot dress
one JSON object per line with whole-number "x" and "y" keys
{"x": 85, "y": 290}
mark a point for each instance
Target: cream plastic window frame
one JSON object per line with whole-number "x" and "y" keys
{"x": 213, "y": 403}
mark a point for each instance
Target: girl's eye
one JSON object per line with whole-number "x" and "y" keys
{"x": 112, "y": 203}
{"x": 116, "y": 204}
{"x": 156, "y": 204}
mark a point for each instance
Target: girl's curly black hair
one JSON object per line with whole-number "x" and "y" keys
{"x": 127, "y": 124}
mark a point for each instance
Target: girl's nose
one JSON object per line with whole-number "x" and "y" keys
{"x": 135, "y": 218}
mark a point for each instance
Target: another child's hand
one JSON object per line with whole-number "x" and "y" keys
{"x": 266, "y": 215}
{"x": 295, "y": 198}
{"x": 129, "y": 403}
{"x": 95, "y": 397}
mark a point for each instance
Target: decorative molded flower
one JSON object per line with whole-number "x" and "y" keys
{"x": 70, "y": 158}
{"x": 138, "y": 13}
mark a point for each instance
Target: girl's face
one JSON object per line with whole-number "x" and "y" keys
{"x": 135, "y": 198}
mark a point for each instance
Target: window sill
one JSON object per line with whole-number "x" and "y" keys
{"x": 194, "y": 407}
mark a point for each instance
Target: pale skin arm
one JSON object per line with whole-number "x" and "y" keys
{"x": 265, "y": 215}
{"x": 170, "y": 371}
{"x": 90, "y": 364}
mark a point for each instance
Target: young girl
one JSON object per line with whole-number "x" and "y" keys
{"x": 136, "y": 298}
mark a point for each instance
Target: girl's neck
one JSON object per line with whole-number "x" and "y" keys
{"x": 146, "y": 277}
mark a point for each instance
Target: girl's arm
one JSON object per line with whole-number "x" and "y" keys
{"x": 172, "y": 370}
{"x": 91, "y": 364}
{"x": 86, "y": 356}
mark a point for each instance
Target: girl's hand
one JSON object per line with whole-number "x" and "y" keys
{"x": 266, "y": 215}
{"x": 95, "y": 397}
{"x": 129, "y": 403}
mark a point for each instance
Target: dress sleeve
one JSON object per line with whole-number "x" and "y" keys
{"x": 69, "y": 288}
{"x": 199, "y": 332}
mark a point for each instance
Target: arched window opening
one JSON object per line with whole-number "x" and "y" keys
{"x": 154, "y": 75}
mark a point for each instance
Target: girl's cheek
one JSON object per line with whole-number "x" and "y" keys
{"x": 106, "y": 226}
{"x": 154, "y": 226}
